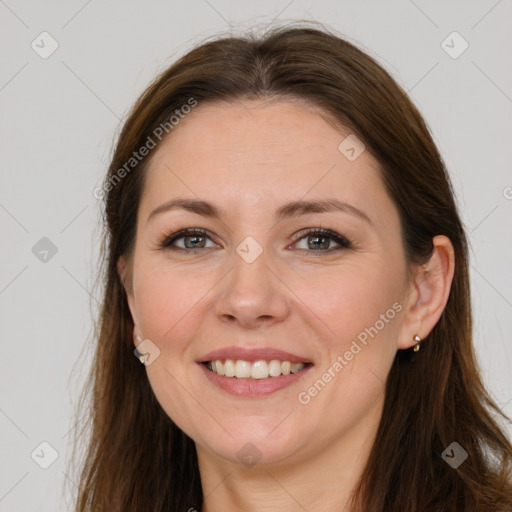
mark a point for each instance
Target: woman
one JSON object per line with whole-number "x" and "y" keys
{"x": 286, "y": 258}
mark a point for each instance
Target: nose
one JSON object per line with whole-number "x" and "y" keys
{"x": 252, "y": 294}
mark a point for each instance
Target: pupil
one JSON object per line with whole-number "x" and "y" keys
{"x": 324, "y": 245}
{"x": 194, "y": 239}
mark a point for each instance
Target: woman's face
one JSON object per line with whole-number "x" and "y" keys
{"x": 257, "y": 286}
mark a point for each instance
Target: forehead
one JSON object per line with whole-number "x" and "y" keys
{"x": 255, "y": 128}
{"x": 253, "y": 153}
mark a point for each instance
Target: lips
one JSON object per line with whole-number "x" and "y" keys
{"x": 253, "y": 372}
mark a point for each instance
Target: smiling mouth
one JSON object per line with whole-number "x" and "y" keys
{"x": 257, "y": 370}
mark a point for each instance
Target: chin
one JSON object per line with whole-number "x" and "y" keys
{"x": 251, "y": 445}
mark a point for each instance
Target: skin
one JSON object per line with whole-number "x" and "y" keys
{"x": 250, "y": 158}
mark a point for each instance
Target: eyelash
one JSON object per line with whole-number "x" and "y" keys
{"x": 166, "y": 241}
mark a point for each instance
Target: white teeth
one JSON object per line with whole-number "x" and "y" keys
{"x": 219, "y": 367}
{"x": 274, "y": 368}
{"x": 258, "y": 370}
{"x": 229, "y": 367}
{"x": 295, "y": 367}
{"x": 286, "y": 367}
{"x": 242, "y": 369}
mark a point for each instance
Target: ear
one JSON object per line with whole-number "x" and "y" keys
{"x": 429, "y": 293}
{"x": 125, "y": 275}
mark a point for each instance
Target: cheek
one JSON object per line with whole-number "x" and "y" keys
{"x": 168, "y": 303}
{"x": 351, "y": 298}
{"x": 359, "y": 310}
{"x": 165, "y": 297}
{"x": 360, "y": 314}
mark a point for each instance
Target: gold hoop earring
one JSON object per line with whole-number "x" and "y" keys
{"x": 417, "y": 339}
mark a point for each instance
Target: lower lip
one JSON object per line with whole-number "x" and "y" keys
{"x": 253, "y": 387}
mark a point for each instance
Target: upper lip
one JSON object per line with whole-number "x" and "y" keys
{"x": 252, "y": 354}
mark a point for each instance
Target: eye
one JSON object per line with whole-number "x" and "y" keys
{"x": 194, "y": 240}
{"x": 319, "y": 240}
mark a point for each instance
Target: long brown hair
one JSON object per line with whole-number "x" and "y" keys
{"x": 136, "y": 459}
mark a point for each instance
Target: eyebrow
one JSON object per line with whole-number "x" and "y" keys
{"x": 292, "y": 209}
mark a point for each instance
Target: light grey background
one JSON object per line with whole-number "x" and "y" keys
{"x": 60, "y": 116}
